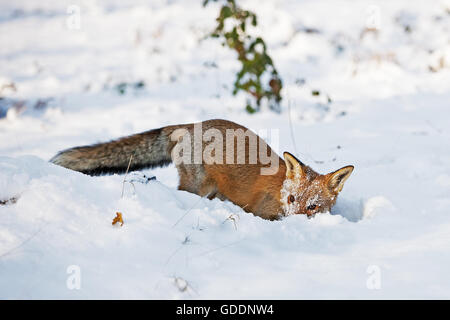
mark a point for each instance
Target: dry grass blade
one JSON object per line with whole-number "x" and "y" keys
{"x": 126, "y": 173}
{"x": 233, "y": 217}
{"x": 291, "y": 128}
{"x": 181, "y": 218}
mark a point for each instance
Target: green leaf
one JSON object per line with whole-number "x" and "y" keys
{"x": 250, "y": 109}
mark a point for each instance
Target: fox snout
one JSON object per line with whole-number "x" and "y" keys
{"x": 305, "y": 191}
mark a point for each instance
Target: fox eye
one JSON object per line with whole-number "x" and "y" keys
{"x": 311, "y": 207}
{"x": 291, "y": 198}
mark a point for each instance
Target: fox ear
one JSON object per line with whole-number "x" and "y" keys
{"x": 337, "y": 178}
{"x": 293, "y": 165}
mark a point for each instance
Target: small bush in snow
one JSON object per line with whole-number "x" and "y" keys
{"x": 258, "y": 76}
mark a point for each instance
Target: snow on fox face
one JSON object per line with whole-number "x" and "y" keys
{"x": 305, "y": 191}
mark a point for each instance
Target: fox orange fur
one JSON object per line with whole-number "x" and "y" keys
{"x": 294, "y": 188}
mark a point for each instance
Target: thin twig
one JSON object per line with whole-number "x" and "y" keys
{"x": 126, "y": 173}
{"x": 217, "y": 249}
{"x": 21, "y": 244}
{"x": 434, "y": 127}
{"x": 293, "y": 136}
{"x": 172, "y": 255}
{"x": 181, "y": 218}
{"x": 186, "y": 241}
{"x": 291, "y": 128}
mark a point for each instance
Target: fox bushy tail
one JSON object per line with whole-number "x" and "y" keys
{"x": 149, "y": 149}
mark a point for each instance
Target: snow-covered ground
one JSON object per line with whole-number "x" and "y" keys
{"x": 389, "y": 116}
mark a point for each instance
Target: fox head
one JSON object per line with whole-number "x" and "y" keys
{"x": 305, "y": 191}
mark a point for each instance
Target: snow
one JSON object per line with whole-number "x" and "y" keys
{"x": 389, "y": 117}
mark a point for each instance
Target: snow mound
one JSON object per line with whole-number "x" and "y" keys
{"x": 63, "y": 218}
{"x": 381, "y": 105}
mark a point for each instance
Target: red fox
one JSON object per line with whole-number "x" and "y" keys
{"x": 238, "y": 171}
